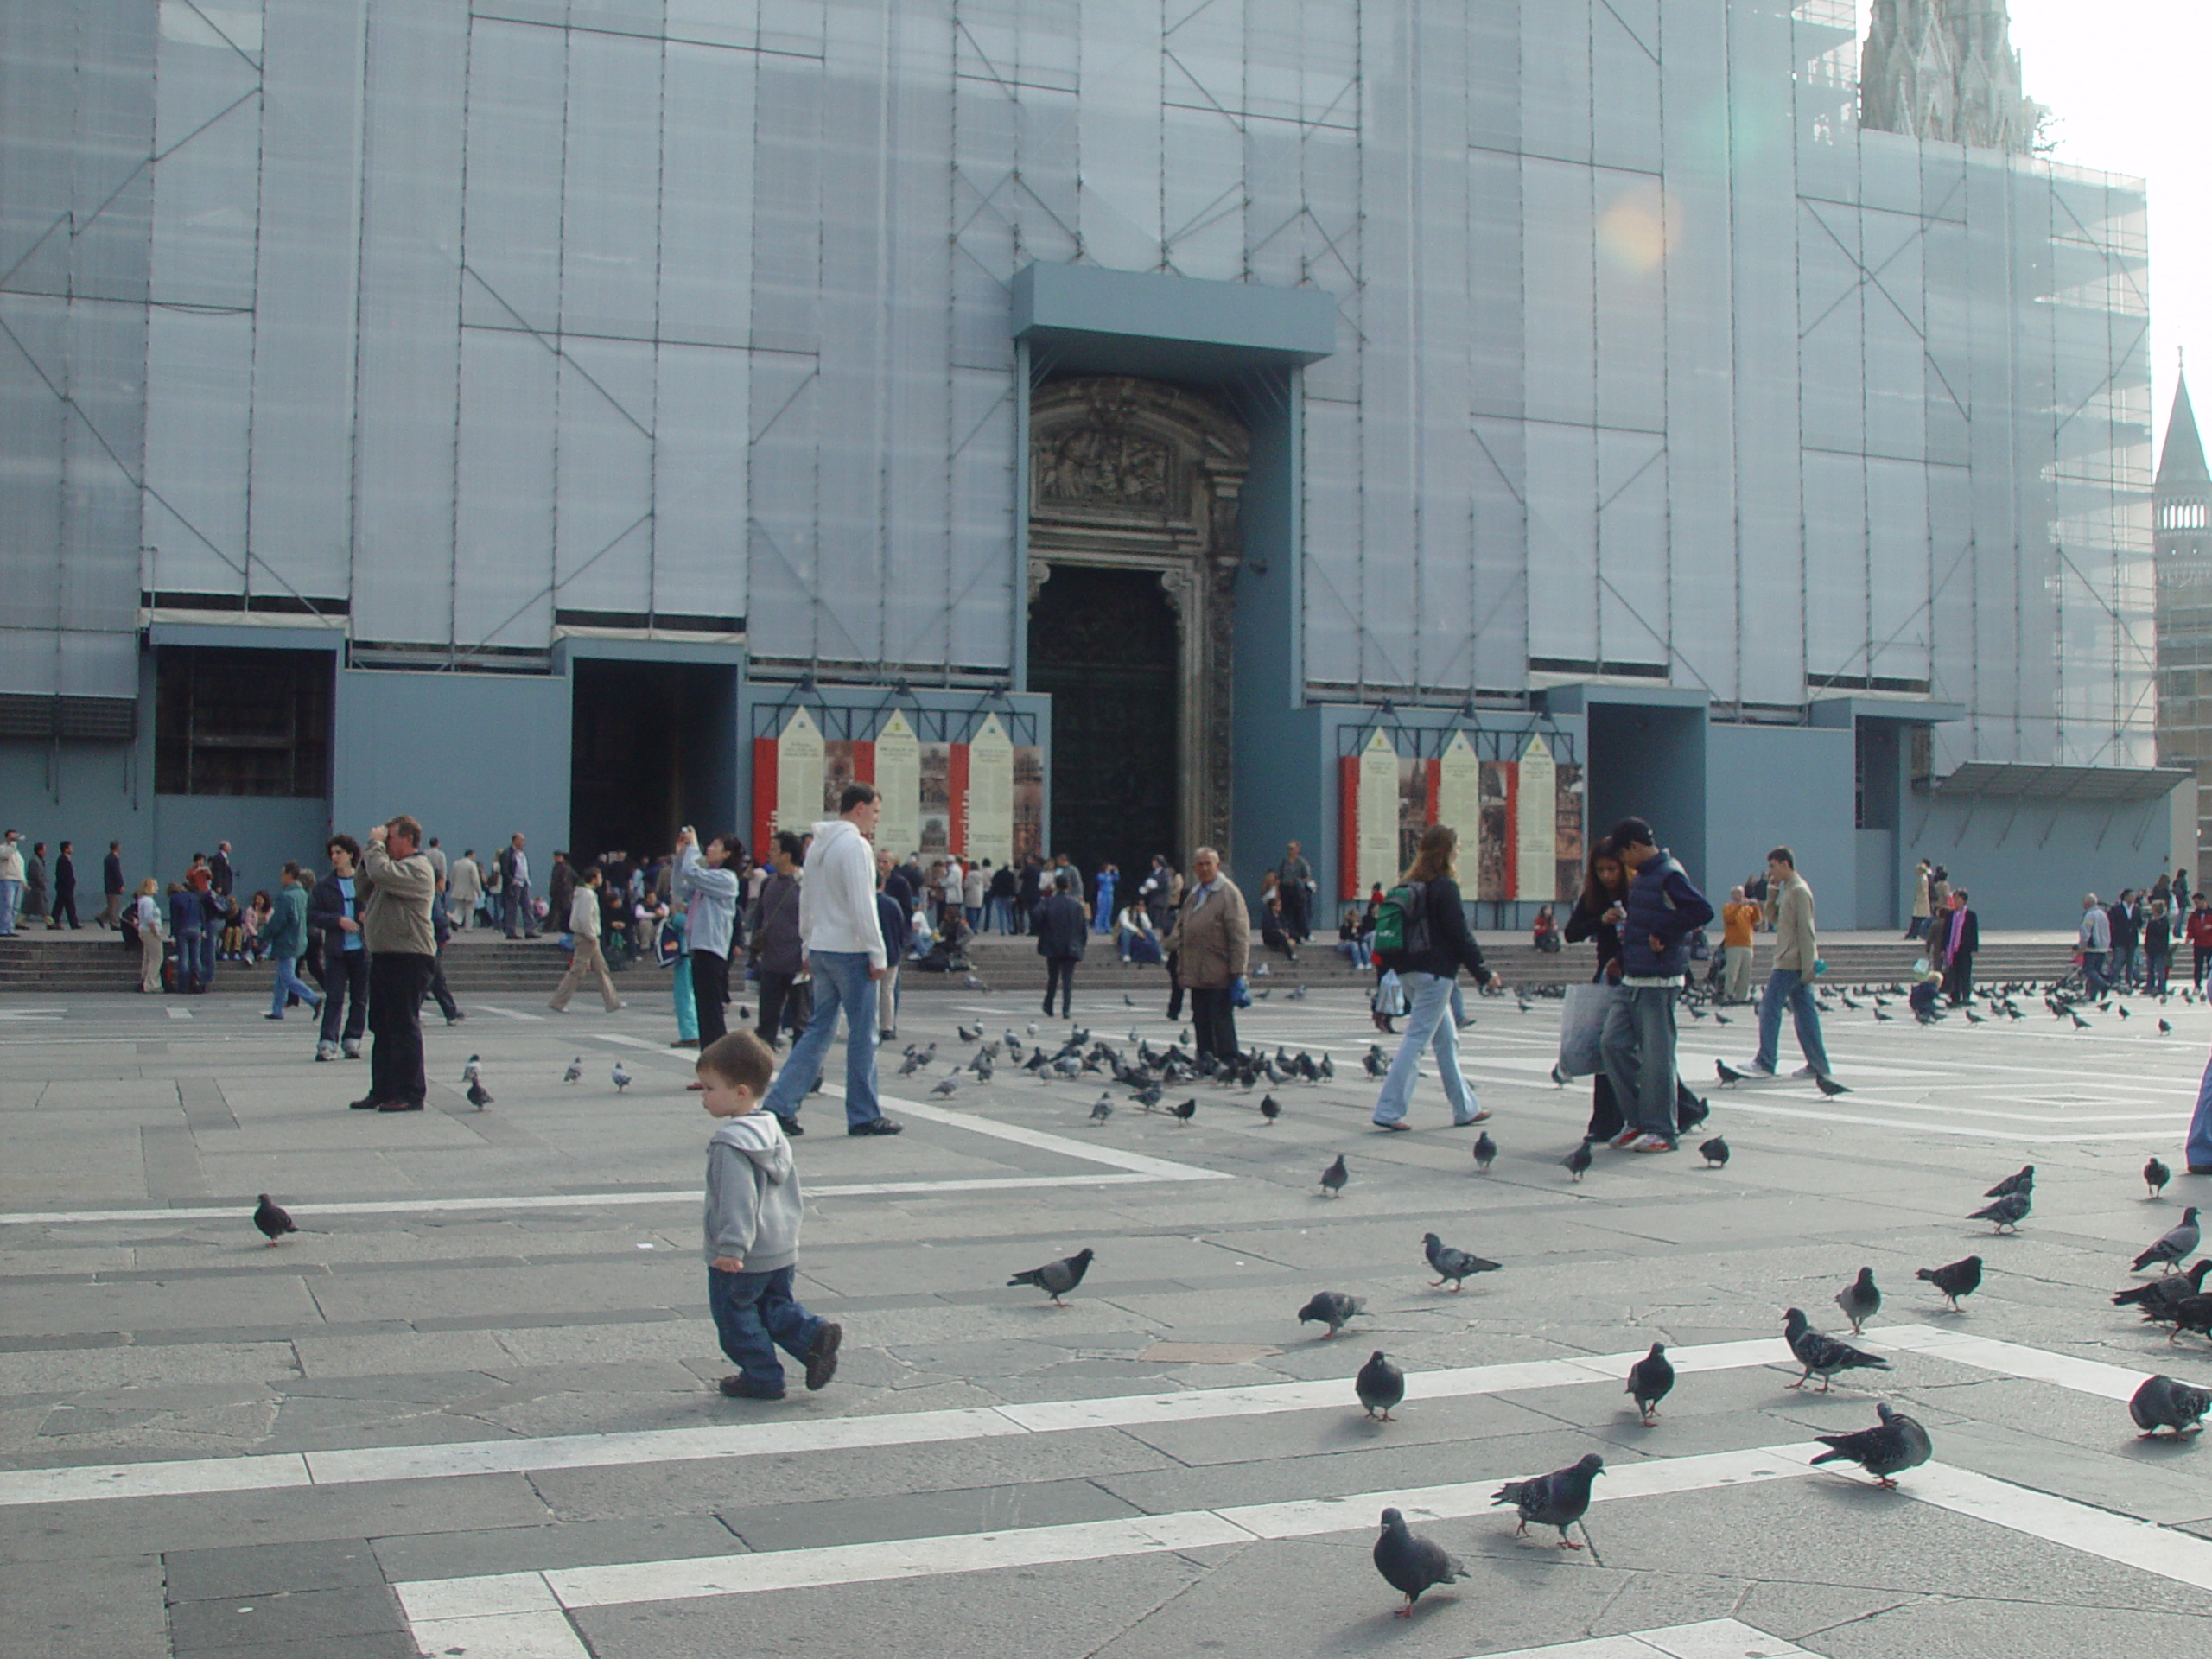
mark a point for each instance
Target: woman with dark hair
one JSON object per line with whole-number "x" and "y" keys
{"x": 1597, "y": 917}
{"x": 1427, "y": 974}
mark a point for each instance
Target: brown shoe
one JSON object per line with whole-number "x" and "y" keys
{"x": 822, "y": 1355}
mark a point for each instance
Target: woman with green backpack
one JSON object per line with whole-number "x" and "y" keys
{"x": 1422, "y": 931}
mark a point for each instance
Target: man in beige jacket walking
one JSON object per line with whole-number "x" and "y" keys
{"x": 1796, "y": 956}
{"x": 1213, "y": 937}
{"x": 587, "y": 957}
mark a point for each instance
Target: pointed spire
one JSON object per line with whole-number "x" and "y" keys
{"x": 2182, "y": 461}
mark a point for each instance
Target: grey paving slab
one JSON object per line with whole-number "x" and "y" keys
{"x": 1971, "y": 1628}
{"x": 522, "y": 1550}
{"x": 783, "y": 1525}
{"x": 269, "y": 1569}
{"x": 93, "y": 1605}
{"x": 387, "y": 1644}
{"x": 291, "y": 1620}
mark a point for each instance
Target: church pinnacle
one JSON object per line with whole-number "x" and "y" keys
{"x": 1945, "y": 70}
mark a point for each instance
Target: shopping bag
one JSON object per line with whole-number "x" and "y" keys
{"x": 1581, "y": 1023}
{"x": 1389, "y": 999}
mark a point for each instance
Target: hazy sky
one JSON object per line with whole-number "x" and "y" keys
{"x": 2125, "y": 80}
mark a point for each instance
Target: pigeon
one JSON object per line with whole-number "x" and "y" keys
{"x": 1148, "y": 1096}
{"x": 2190, "y": 1313}
{"x": 1558, "y": 1499}
{"x": 1955, "y": 1279}
{"x": 1452, "y": 1265}
{"x": 912, "y": 1063}
{"x": 946, "y": 1085}
{"x": 2175, "y": 1244}
{"x": 1829, "y": 1086}
{"x": 2161, "y": 1403}
{"x": 575, "y": 1071}
{"x": 2156, "y": 1175}
{"x": 1334, "y": 1177}
{"x": 1186, "y": 1110}
{"x": 472, "y": 1070}
{"x": 1326, "y": 1070}
{"x": 1381, "y": 1385}
{"x": 1650, "y": 1380}
{"x": 1822, "y": 1355}
{"x": 1715, "y": 1152}
{"x": 1333, "y": 1309}
{"x": 2079, "y": 1024}
{"x": 1410, "y": 1563}
{"x": 2122, "y": 1011}
{"x": 2008, "y": 1211}
{"x": 974, "y": 984}
{"x": 1295, "y": 993}
{"x": 1886, "y": 1451}
{"x": 1485, "y": 1152}
{"x": 2023, "y": 1182}
{"x": 1720, "y": 1018}
{"x": 2164, "y": 1029}
{"x": 1580, "y": 1160}
{"x": 621, "y": 1077}
{"x": 1377, "y": 1065}
{"x": 970, "y": 1034}
{"x": 477, "y": 1097}
{"x": 273, "y": 1220}
{"x": 1860, "y": 1300}
{"x": 1270, "y": 1109}
{"x": 1973, "y": 1019}
{"x": 2160, "y": 1297}
{"x": 1729, "y": 1073}
{"x": 1101, "y": 1108}
{"x": 1884, "y": 1017}
{"x": 1055, "y": 1278}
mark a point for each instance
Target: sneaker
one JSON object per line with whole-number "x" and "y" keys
{"x": 1653, "y": 1143}
{"x": 1625, "y": 1139}
{"x": 735, "y": 1387}
{"x": 272, "y": 1016}
{"x": 822, "y": 1356}
{"x": 353, "y": 1051}
{"x": 790, "y": 1125}
{"x": 1753, "y": 1068}
{"x": 875, "y": 1126}
{"x": 686, "y": 1042}
{"x": 1807, "y": 1073}
{"x": 455, "y": 1017}
{"x": 326, "y": 1051}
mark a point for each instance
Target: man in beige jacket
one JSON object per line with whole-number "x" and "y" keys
{"x": 1789, "y": 911}
{"x": 587, "y": 957}
{"x": 403, "y": 948}
{"x": 1213, "y": 940}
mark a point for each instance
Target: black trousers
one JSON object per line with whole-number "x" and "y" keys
{"x": 1297, "y": 910}
{"x": 1059, "y": 973}
{"x": 1213, "y": 1023}
{"x": 1958, "y": 978}
{"x": 2203, "y": 961}
{"x": 709, "y": 991}
{"x": 447, "y": 1005}
{"x": 783, "y": 1005}
{"x": 345, "y": 994}
{"x": 398, "y": 983}
{"x": 65, "y": 904}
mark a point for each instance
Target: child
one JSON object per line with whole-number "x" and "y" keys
{"x": 752, "y": 1219}
{"x": 233, "y": 948}
{"x": 252, "y": 923}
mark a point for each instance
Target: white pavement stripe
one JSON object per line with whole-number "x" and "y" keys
{"x": 504, "y": 1636}
{"x": 1935, "y": 1123}
{"x": 2181, "y": 1557}
{"x": 630, "y": 1042}
{"x": 1043, "y": 1417}
{"x": 1137, "y": 1163}
{"x": 505, "y": 1014}
{"x": 1712, "y": 1638}
{"x": 178, "y": 1013}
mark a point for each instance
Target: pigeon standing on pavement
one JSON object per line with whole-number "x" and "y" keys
{"x": 1485, "y": 1152}
{"x": 1828, "y": 1085}
{"x": 1715, "y": 1152}
{"x": 2160, "y": 1297}
{"x": 575, "y": 1071}
{"x": 2161, "y": 1403}
{"x": 1334, "y": 1177}
{"x": 1860, "y": 1300}
{"x": 1410, "y": 1563}
{"x": 621, "y": 1077}
{"x": 1101, "y": 1108}
{"x": 1333, "y": 1309}
{"x": 479, "y": 1096}
{"x": 2175, "y": 1245}
{"x": 2023, "y": 1182}
{"x": 1558, "y": 1499}
{"x": 1822, "y": 1355}
{"x": 1381, "y": 1385}
{"x": 947, "y": 1085}
{"x": 1650, "y": 1380}
{"x": 1056, "y": 1279}
{"x": 1578, "y": 1160}
{"x": 473, "y": 1069}
{"x": 1452, "y": 1265}
{"x": 1270, "y": 1108}
{"x": 273, "y": 1221}
{"x": 1886, "y": 1451}
{"x": 1955, "y": 1278}
{"x": 2007, "y": 1213}
{"x": 2156, "y": 1175}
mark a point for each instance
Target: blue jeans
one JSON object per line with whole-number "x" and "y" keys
{"x": 998, "y": 915}
{"x": 1638, "y": 1048}
{"x": 687, "y": 1007}
{"x": 1787, "y": 985}
{"x": 11, "y": 902}
{"x": 289, "y": 984}
{"x": 2200, "y": 1126}
{"x": 2155, "y": 963}
{"x": 2093, "y": 972}
{"x": 755, "y": 1314}
{"x": 1428, "y": 997}
{"x": 840, "y": 980}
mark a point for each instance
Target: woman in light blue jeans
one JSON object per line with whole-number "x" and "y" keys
{"x": 1439, "y": 943}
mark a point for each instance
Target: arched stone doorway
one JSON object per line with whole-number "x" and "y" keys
{"x": 1136, "y": 484}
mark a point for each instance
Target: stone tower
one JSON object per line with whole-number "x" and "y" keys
{"x": 2182, "y": 538}
{"x": 1946, "y": 69}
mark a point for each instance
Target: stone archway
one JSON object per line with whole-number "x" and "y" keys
{"x": 1139, "y": 475}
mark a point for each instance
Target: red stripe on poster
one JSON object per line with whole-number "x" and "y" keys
{"x": 957, "y": 809}
{"x": 1348, "y": 827}
{"x": 864, "y": 761}
{"x": 1512, "y": 770}
{"x": 1431, "y": 771}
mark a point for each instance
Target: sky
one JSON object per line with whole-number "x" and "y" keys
{"x": 2124, "y": 82}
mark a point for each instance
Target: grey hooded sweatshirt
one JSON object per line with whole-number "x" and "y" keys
{"x": 753, "y": 1199}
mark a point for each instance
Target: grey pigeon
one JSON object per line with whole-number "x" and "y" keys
{"x": 947, "y": 1085}
{"x": 1650, "y": 1380}
{"x": 1485, "y": 1152}
{"x": 472, "y": 1070}
{"x": 1955, "y": 1278}
{"x": 621, "y": 1074}
{"x": 970, "y": 1034}
{"x": 2023, "y": 1182}
{"x": 1578, "y": 1160}
{"x": 1410, "y": 1563}
{"x": 272, "y": 1220}
{"x": 575, "y": 1071}
{"x": 912, "y": 1063}
{"x": 2175, "y": 1245}
{"x": 1859, "y": 1299}
{"x": 2157, "y": 1298}
{"x": 1822, "y": 1355}
{"x": 2156, "y": 1175}
{"x": 1101, "y": 1108}
{"x": 1558, "y": 1499}
{"x": 1334, "y": 1177}
{"x": 2008, "y": 1211}
{"x": 1715, "y": 1152}
{"x": 2161, "y": 1403}
{"x": 1886, "y": 1451}
{"x": 477, "y": 1097}
{"x": 1056, "y": 1279}
{"x": 974, "y": 984}
{"x": 1452, "y": 1265}
{"x": 1381, "y": 1385}
{"x": 1333, "y": 1309}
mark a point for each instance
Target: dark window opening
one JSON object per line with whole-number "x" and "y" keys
{"x": 242, "y": 723}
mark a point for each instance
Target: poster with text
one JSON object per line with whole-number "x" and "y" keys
{"x": 1535, "y": 814}
{"x": 1568, "y": 830}
{"x": 899, "y": 778}
{"x": 1029, "y": 801}
{"x": 1458, "y": 803}
{"x": 989, "y": 814}
{"x": 800, "y": 762}
{"x": 1377, "y": 808}
{"x": 1493, "y": 868}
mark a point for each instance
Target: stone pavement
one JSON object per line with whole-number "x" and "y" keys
{"x": 472, "y": 1407}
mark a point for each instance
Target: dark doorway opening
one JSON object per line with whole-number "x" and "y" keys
{"x": 653, "y": 748}
{"x": 1103, "y": 643}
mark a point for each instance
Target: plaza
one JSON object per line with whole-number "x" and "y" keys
{"x": 471, "y": 1406}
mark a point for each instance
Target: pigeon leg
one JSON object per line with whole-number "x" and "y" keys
{"x": 1566, "y": 1543}
{"x": 272, "y": 1243}
{"x": 1650, "y": 1420}
{"x": 1824, "y": 1385}
{"x": 1522, "y": 1531}
{"x": 1405, "y": 1611}
{"x": 1434, "y": 1283}
{"x": 1885, "y": 1483}
{"x": 1800, "y": 1382}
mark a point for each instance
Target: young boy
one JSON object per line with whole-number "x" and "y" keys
{"x": 752, "y": 1219}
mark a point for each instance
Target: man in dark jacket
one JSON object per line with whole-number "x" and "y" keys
{"x": 1664, "y": 909}
{"x": 1029, "y": 892}
{"x": 2127, "y": 934}
{"x": 334, "y": 913}
{"x": 1963, "y": 938}
{"x": 778, "y": 955}
{"x": 1060, "y": 926}
{"x": 220, "y": 872}
{"x": 65, "y": 889}
{"x": 111, "y": 883}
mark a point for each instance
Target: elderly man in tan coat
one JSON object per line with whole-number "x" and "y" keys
{"x": 1212, "y": 939}
{"x": 403, "y": 948}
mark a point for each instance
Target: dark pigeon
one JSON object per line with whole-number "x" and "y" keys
{"x": 2161, "y": 1403}
{"x": 2008, "y": 1211}
{"x": 1333, "y": 1309}
{"x": 1270, "y": 1108}
{"x": 1056, "y": 1279}
{"x": 1451, "y": 1265}
{"x": 1829, "y": 1086}
{"x": 2175, "y": 1246}
{"x": 1381, "y": 1385}
{"x": 272, "y": 1220}
{"x": 1410, "y": 1563}
{"x": 1186, "y": 1110}
{"x": 1955, "y": 1278}
{"x": 1558, "y": 1499}
{"x": 1334, "y": 1177}
{"x": 1715, "y": 1152}
{"x": 1886, "y": 1451}
{"x": 1578, "y": 1160}
{"x": 1860, "y": 1300}
{"x": 477, "y": 1096}
{"x": 1822, "y": 1355}
{"x": 2160, "y": 1297}
{"x": 1485, "y": 1152}
{"x": 2190, "y": 1313}
{"x": 2155, "y": 1176}
{"x": 1650, "y": 1380}
{"x": 2023, "y": 1182}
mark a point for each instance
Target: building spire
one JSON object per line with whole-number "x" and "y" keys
{"x": 2181, "y": 462}
{"x": 1945, "y": 70}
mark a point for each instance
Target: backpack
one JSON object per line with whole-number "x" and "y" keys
{"x": 1402, "y": 923}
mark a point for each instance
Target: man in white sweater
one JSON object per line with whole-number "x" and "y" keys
{"x": 845, "y": 953}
